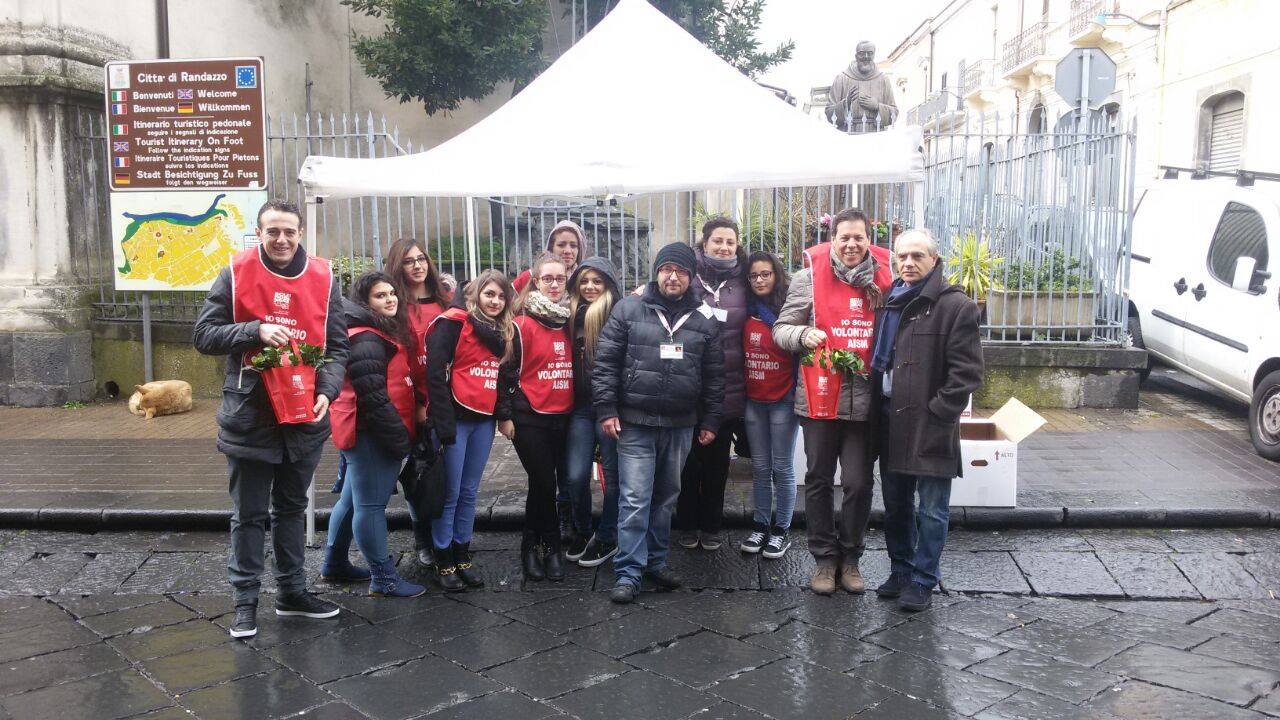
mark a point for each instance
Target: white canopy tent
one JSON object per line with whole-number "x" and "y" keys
{"x": 636, "y": 106}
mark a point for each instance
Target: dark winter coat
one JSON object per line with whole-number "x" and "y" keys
{"x": 367, "y": 364}
{"x": 581, "y": 364}
{"x": 735, "y": 298}
{"x": 247, "y": 427}
{"x": 937, "y": 365}
{"x": 630, "y": 381}
{"x": 444, "y": 412}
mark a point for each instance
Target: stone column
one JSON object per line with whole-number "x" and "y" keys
{"x": 49, "y": 210}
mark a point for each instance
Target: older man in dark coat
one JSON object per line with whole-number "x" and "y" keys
{"x": 926, "y": 363}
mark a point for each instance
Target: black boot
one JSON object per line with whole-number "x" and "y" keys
{"x": 446, "y": 572}
{"x": 531, "y": 559}
{"x": 466, "y": 568}
{"x": 422, "y": 544}
{"x": 555, "y": 559}
{"x": 565, "y": 510}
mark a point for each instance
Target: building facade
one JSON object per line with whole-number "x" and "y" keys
{"x": 1190, "y": 74}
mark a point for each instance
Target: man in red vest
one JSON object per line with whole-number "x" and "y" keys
{"x": 268, "y": 295}
{"x": 831, "y": 305}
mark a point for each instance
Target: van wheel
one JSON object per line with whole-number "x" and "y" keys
{"x": 1134, "y": 328}
{"x": 1264, "y": 417}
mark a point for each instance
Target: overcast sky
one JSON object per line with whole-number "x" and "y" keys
{"x": 826, "y": 31}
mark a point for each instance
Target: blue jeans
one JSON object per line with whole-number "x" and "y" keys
{"x": 584, "y": 435}
{"x": 464, "y": 463}
{"x": 771, "y": 430}
{"x": 650, "y": 460}
{"x": 369, "y": 477}
{"x": 915, "y": 535}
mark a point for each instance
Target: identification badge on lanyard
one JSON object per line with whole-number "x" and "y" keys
{"x": 671, "y": 349}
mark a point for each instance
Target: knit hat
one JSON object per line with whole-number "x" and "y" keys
{"x": 676, "y": 253}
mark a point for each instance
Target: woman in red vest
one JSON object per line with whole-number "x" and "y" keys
{"x": 770, "y": 413}
{"x": 373, "y": 427}
{"x": 419, "y": 286}
{"x": 832, "y": 303}
{"x": 541, "y": 373}
{"x": 465, "y": 348}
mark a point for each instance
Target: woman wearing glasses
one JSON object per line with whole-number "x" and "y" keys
{"x": 540, "y": 373}
{"x": 418, "y": 283}
{"x": 771, "y": 420}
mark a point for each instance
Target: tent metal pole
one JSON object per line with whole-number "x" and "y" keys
{"x": 917, "y": 204}
{"x": 473, "y": 239}
{"x": 309, "y": 203}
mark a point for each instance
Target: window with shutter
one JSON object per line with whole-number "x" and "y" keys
{"x": 1226, "y": 133}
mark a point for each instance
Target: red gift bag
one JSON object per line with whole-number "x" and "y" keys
{"x": 821, "y": 386}
{"x": 292, "y": 389}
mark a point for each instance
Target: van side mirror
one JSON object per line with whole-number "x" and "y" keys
{"x": 1247, "y": 278}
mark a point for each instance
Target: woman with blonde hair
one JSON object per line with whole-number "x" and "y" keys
{"x": 593, "y": 291}
{"x": 468, "y": 395}
{"x": 540, "y": 374}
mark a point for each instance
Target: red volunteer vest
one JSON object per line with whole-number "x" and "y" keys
{"x": 841, "y": 311}
{"x": 420, "y": 317}
{"x": 473, "y": 376}
{"x": 342, "y": 413}
{"x": 546, "y": 367}
{"x": 770, "y": 369}
{"x": 300, "y": 304}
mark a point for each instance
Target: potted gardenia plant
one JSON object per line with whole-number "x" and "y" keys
{"x": 824, "y": 371}
{"x": 289, "y": 374}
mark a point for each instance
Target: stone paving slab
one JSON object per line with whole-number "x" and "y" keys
{"x": 1181, "y": 459}
{"x": 713, "y": 650}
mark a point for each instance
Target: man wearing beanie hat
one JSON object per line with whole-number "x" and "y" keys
{"x": 658, "y": 378}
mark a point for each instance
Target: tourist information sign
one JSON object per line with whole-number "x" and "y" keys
{"x": 195, "y": 124}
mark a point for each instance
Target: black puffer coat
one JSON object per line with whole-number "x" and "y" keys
{"x": 630, "y": 381}
{"x": 734, "y": 297}
{"x": 376, "y": 417}
{"x": 247, "y": 426}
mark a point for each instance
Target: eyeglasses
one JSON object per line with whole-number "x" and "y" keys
{"x": 420, "y": 260}
{"x": 553, "y": 279}
{"x": 673, "y": 272}
{"x": 762, "y": 275}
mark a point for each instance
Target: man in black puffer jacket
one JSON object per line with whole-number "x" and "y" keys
{"x": 659, "y": 373}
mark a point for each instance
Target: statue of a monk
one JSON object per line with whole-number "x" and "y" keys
{"x": 861, "y": 96}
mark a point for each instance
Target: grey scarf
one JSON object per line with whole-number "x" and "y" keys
{"x": 535, "y": 303}
{"x": 861, "y": 275}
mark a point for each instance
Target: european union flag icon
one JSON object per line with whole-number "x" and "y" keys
{"x": 246, "y": 76}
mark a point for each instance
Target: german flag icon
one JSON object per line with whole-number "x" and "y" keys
{"x": 186, "y": 108}
{"x": 121, "y": 178}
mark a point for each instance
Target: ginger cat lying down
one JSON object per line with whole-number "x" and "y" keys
{"x": 162, "y": 397}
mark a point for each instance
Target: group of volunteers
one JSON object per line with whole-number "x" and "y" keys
{"x": 641, "y": 393}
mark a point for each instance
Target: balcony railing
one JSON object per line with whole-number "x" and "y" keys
{"x": 976, "y": 76}
{"x": 933, "y": 106}
{"x": 1084, "y": 12}
{"x": 1025, "y": 46}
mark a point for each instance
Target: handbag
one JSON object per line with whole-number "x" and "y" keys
{"x": 423, "y": 478}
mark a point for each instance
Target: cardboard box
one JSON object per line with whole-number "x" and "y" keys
{"x": 989, "y": 452}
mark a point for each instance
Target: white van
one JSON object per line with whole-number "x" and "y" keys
{"x": 1200, "y": 295}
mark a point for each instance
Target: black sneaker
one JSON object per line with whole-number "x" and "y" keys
{"x": 304, "y": 604}
{"x": 754, "y": 542}
{"x": 576, "y": 547}
{"x": 597, "y": 552}
{"x": 778, "y": 544}
{"x": 246, "y": 624}
{"x": 894, "y": 586}
{"x": 624, "y": 593}
{"x": 916, "y": 598}
{"x": 663, "y": 578}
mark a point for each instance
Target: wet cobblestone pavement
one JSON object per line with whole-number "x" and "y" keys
{"x": 1043, "y": 625}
